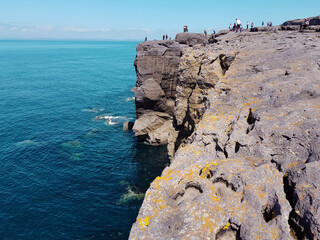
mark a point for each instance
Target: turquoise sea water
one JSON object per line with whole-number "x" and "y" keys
{"x": 63, "y": 174}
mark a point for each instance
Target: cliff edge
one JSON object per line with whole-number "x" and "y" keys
{"x": 242, "y": 117}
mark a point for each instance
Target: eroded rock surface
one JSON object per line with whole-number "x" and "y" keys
{"x": 245, "y": 140}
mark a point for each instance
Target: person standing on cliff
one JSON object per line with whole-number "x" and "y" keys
{"x": 252, "y": 25}
{"x": 262, "y": 23}
{"x": 238, "y": 24}
{"x": 185, "y": 28}
{"x": 305, "y": 24}
{"x": 166, "y": 36}
{"x": 247, "y": 24}
{"x": 205, "y": 32}
{"x": 145, "y": 39}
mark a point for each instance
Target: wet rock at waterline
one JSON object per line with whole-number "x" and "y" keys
{"x": 127, "y": 126}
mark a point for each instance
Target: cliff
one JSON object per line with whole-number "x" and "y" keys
{"x": 157, "y": 67}
{"x": 242, "y": 120}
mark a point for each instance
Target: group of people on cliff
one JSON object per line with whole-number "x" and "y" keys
{"x": 164, "y": 37}
{"x": 237, "y": 26}
{"x": 206, "y": 33}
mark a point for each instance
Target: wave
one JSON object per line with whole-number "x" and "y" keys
{"x": 112, "y": 120}
{"x": 130, "y": 99}
{"x": 27, "y": 142}
{"x": 93, "y": 110}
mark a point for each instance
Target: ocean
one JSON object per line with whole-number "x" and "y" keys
{"x": 64, "y": 174}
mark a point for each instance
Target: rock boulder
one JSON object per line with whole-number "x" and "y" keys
{"x": 191, "y": 39}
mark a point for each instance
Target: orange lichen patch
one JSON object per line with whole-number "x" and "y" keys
{"x": 208, "y": 224}
{"x": 291, "y": 165}
{"x": 164, "y": 178}
{"x": 258, "y": 237}
{"x": 148, "y": 194}
{"x": 158, "y": 182}
{"x": 262, "y": 195}
{"x": 239, "y": 210}
{"x": 297, "y": 124}
{"x": 253, "y": 160}
{"x": 252, "y": 101}
{"x": 159, "y": 206}
{"x": 274, "y": 233}
{"x": 269, "y": 118}
{"x": 159, "y": 201}
{"x": 302, "y": 195}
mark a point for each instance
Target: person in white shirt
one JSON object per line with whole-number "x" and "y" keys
{"x": 238, "y": 24}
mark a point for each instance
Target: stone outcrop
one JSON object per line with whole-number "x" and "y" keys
{"x": 245, "y": 137}
{"x": 312, "y": 20}
{"x": 153, "y": 127}
{"x": 292, "y": 25}
{"x": 128, "y": 125}
{"x": 157, "y": 67}
{"x": 191, "y": 39}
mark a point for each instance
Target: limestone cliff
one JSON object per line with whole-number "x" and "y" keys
{"x": 157, "y": 67}
{"x": 244, "y": 131}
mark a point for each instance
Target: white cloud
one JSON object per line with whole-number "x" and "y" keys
{"x": 139, "y": 29}
{"x": 73, "y": 32}
{"x": 27, "y": 30}
{"x": 82, "y": 29}
{"x": 46, "y": 28}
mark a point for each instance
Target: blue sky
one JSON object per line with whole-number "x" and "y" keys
{"x": 135, "y": 19}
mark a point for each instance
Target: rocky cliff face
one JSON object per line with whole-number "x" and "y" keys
{"x": 157, "y": 67}
{"x": 245, "y": 135}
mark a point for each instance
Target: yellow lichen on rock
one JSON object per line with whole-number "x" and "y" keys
{"x": 226, "y": 227}
{"x": 144, "y": 222}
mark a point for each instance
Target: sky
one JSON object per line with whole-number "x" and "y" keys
{"x": 135, "y": 19}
